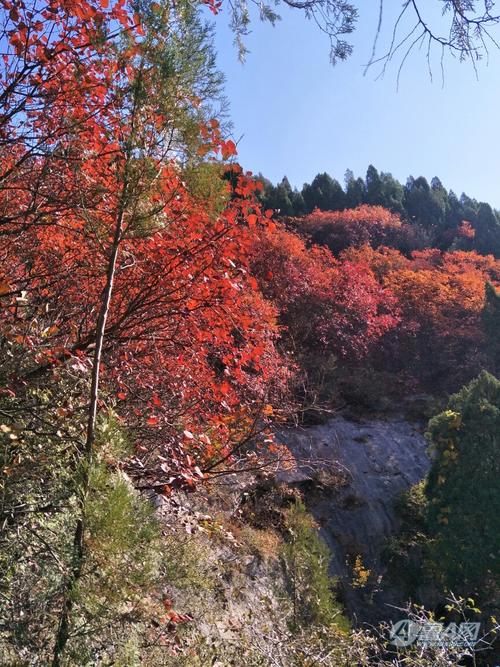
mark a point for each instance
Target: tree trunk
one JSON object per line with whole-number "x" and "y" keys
{"x": 76, "y": 570}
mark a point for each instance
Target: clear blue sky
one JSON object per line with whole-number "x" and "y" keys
{"x": 297, "y": 115}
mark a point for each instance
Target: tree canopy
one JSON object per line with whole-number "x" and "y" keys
{"x": 435, "y": 216}
{"x": 462, "y": 487}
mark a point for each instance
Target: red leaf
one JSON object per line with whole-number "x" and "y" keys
{"x": 228, "y": 148}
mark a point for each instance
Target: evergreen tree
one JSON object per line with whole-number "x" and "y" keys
{"x": 380, "y": 190}
{"x": 463, "y": 490}
{"x": 487, "y": 239}
{"x": 324, "y": 193}
{"x": 298, "y": 204}
{"x": 441, "y": 200}
{"x": 455, "y": 212}
{"x": 373, "y": 186}
{"x": 279, "y": 198}
{"x": 355, "y": 190}
{"x": 491, "y": 325}
{"x": 306, "y": 560}
{"x": 392, "y": 193}
{"x": 469, "y": 207}
{"x": 424, "y": 205}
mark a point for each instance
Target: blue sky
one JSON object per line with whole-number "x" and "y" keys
{"x": 295, "y": 114}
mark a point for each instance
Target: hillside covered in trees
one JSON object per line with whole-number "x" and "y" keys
{"x": 438, "y": 217}
{"x": 165, "y": 315}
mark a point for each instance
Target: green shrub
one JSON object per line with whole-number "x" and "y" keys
{"x": 406, "y": 553}
{"x": 306, "y": 559}
{"x": 463, "y": 487}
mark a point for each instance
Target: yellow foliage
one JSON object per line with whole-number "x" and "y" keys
{"x": 454, "y": 419}
{"x": 361, "y": 574}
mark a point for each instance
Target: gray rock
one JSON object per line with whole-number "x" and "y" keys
{"x": 378, "y": 460}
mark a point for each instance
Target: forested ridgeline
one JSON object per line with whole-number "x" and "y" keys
{"x": 436, "y": 217}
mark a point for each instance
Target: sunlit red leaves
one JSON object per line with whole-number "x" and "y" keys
{"x": 214, "y": 142}
{"x": 440, "y": 297}
{"x": 156, "y": 401}
{"x": 189, "y": 339}
{"x": 213, "y": 5}
{"x": 324, "y": 303}
{"x": 228, "y": 149}
{"x": 421, "y": 313}
{"x": 189, "y": 334}
{"x": 372, "y": 225}
{"x": 434, "y": 295}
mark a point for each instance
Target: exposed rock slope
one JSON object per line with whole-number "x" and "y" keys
{"x": 378, "y": 459}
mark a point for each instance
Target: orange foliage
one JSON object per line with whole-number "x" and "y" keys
{"x": 89, "y": 168}
{"x": 440, "y": 297}
{"x": 419, "y": 314}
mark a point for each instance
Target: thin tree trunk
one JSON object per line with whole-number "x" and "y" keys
{"x": 62, "y": 635}
{"x": 76, "y": 570}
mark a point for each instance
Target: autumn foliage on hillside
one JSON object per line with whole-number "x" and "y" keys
{"x": 417, "y": 315}
{"x": 130, "y": 252}
{"x": 155, "y": 320}
{"x": 325, "y": 305}
{"x": 441, "y": 297}
{"x": 127, "y": 250}
{"x": 338, "y": 230}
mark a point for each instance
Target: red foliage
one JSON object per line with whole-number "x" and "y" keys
{"x": 189, "y": 341}
{"x": 88, "y": 172}
{"x": 326, "y": 305}
{"x": 466, "y": 230}
{"x": 60, "y": 83}
{"x": 419, "y": 316}
{"x": 440, "y": 297}
{"x": 373, "y": 225}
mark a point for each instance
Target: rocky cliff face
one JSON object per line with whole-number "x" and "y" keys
{"x": 377, "y": 460}
{"x": 224, "y": 546}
